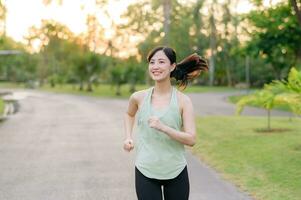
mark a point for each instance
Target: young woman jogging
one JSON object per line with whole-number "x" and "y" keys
{"x": 165, "y": 124}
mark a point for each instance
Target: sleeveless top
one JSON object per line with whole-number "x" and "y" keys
{"x": 157, "y": 155}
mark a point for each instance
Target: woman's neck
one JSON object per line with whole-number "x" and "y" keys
{"x": 162, "y": 87}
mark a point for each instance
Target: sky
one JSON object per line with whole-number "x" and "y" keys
{"x": 23, "y": 14}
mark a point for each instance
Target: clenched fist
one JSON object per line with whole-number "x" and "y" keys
{"x": 154, "y": 122}
{"x": 128, "y": 145}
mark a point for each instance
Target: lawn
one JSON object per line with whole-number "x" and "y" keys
{"x": 11, "y": 85}
{"x": 105, "y": 90}
{"x": 102, "y": 90}
{"x": 266, "y": 165}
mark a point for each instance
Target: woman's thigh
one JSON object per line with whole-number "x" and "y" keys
{"x": 147, "y": 188}
{"x": 177, "y": 188}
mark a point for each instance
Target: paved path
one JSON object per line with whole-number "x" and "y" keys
{"x": 65, "y": 147}
{"x": 217, "y": 104}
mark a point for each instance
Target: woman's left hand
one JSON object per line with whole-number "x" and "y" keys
{"x": 154, "y": 122}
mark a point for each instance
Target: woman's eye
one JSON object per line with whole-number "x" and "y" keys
{"x": 161, "y": 62}
{"x": 152, "y": 62}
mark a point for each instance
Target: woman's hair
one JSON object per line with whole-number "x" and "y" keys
{"x": 186, "y": 70}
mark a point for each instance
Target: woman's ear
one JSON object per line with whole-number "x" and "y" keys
{"x": 173, "y": 66}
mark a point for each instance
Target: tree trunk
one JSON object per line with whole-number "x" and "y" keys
{"x": 226, "y": 20}
{"x": 132, "y": 87}
{"x": 269, "y": 119}
{"x": 52, "y": 83}
{"x": 248, "y": 71}
{"x": 118, "y": 90}
{"x": 297, "y": 11}
{"x": 212, "y": 46}
{"x": 166, "y": 24}
{"x": 229, "y": 76}
{"x": 81, "y": 85}
{"x": 89, "y": 87}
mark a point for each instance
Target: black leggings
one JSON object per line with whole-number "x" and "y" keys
{"x": 150, "y": 189}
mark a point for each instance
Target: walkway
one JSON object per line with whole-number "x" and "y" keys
{"x": 66, "y": 147}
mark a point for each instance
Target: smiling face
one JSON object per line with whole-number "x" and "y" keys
{"x": 160, "y": 67}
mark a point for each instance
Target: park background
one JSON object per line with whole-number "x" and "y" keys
{"x": 99, "y": 48}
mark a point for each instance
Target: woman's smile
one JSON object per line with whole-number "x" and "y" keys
{"x": 156, "y": 73}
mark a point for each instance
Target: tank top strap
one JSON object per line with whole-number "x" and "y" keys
{"x": 149, "y": 96}
{"x": 174, "y": 97}
{"x": 147, "y": 99}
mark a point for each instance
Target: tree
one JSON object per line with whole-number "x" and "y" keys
{"x": 297, "y": 9}
{"x": 118, "y": 77}
{"x": 289, "y": 90}
{"x": 276, "y": 93}
{"x": 166, "y": 6}
{"x": 212, "y": 44}
{"x": 16, "y": 67}
{"x": 3, "y": 17}
{"x": 134, "y": 73}
{"x": 275, "y": 37}
{"x": 57, "y": 44}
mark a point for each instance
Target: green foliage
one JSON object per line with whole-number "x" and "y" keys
{"x": 19, "y": 67}
{"x": 288, "y": 92}
{"x": 134, "y": 73}
{"x": 274, "y": 37}
{"x": 276, "y": 93}
{"x": 118, "y": 77}
{"x": 273, "y": 33}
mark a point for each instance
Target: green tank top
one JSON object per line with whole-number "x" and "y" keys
{"x": 157, "y": 155}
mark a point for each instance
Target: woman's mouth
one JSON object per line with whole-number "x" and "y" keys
{"x": 156, "y": 73}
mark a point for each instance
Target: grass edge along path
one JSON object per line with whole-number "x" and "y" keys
{"x": 1, "y": 107}
{"x": 105, "y": 90}
{"x": 266, "y": 165}
{"x": 109, "y": 91}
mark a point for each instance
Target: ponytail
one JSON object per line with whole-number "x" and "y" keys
{"x": 189, "y": 69}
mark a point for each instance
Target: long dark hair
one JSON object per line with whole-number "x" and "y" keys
{"x": 186, "y": 70}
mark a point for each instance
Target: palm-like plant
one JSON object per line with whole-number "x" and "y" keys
{"x": 276, "y": 93}
{"x": 288, "y": 92}
{"x": 263, "y": 98}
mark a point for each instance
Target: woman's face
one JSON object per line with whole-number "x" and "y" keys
{"x": 159, "y": 66}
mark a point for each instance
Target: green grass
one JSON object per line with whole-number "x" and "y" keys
{"x": 11, "y": 85}
{"x": 201, "y": 89}
{"x": 99, "y": 91}
{"x": 236, "y": 98}
{"x": 105, "y": 90}
{"x": 267, "y": 165}
{"x": 109, "y": 91}
{"x": 1, "y": 106}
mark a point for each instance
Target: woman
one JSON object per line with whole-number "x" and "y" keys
{"x": 165, "y": 123}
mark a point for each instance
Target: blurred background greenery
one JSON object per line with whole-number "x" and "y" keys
{"x": 245, "y": 46}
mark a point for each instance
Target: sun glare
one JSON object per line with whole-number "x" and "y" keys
{"x": 21, "y": 15}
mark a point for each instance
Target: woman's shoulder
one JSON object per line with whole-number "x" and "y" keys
{"x": 138, "y": 96}
{"x": 183, "y": 98}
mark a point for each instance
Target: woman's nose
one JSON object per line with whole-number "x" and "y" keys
{"x": 155, "y": 65}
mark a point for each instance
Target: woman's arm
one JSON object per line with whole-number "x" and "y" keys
{"x": 188, "y": 135}
{"x": 129, "y": 119}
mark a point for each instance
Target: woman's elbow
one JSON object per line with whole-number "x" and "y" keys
{"x": 192, "y": 141}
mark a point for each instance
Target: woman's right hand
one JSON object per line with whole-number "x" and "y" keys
{"x": 128, "y": 145}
